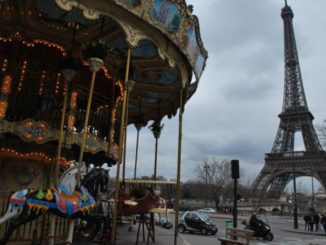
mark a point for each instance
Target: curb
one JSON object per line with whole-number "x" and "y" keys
{"x": 305, "y": 232}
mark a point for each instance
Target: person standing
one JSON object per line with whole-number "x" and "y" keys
{"x": 323, "y": 221}
{"x": 306, "y": 218}
{"x": 311, "y": 223}
{"x": 316, "y": 220}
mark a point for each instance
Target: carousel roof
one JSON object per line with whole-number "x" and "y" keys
{"x": 164, "y": 36}
{"x": 37, "y": 36}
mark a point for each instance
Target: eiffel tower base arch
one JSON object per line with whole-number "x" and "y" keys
{"x": 280, "y": 168}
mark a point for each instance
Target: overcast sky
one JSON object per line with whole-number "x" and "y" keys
{"x": 234, "y": 113}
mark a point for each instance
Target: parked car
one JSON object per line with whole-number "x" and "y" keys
{"x": 207, "y": 210}
{"x": 196, "y": 222}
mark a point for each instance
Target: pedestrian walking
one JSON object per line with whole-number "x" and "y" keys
{"x": 306, "y": 218}
{"x": 311, "y": 223}
{"x": 316, "y": 220}
{"x": 323, "y": 221}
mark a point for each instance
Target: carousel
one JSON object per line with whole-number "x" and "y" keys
{"x": 73, "y": 76}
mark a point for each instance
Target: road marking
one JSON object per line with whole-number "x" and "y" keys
{"x": 184, "y": 241}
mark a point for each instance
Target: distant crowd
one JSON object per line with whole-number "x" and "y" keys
{"x": 315, "y": 222}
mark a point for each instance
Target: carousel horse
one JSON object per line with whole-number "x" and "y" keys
{"x": 96, "y": 226}
{"x": 78, "y": 204}
{"x": 16, "y": 201}
{"x": 138, "y": 201}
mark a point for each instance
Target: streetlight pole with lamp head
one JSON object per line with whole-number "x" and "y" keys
{"x": 235, "y": 176}
{"x": 313, "y": 192}
{"x": 295, "y": 208}
{"x": 206, "y": 167}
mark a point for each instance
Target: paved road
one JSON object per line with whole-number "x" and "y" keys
{"x": 278, "y": 226}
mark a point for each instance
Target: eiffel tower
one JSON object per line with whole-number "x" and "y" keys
{"x": 283, "y": 163}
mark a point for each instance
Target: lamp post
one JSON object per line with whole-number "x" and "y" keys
{"x": 313, "y": 192}
{"x": 295, "y": 208}
{"x": 156, "y": 128}
{"x": 235, "y": 176}
{"x": 206, "y": 167}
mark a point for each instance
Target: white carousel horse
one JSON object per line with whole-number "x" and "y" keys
{"x": 17, "y": 200}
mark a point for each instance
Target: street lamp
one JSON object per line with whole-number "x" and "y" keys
{"x": 235, "y": 176}
{"x": 206, "y": 167}
{"x": 295, "y": 209}
{"x": 313, "y": 191}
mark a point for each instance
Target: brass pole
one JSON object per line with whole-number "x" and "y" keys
{"x": 88, "y": 108}
{"x": 138, "y": 126}
{"x": 61, "y": 136}
{"x": 57, "y": 161}
{"x": 125, "y": 137}
{"x": 156, "y": 135}
{"x": 111, "y": 121}
{"x": 136, "y": 156}
{"x": 178, "y": 169}
{"x": 121, "y": 137}
{"x": 155, "y": 158}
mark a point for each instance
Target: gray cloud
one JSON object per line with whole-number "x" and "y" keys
{"x": 233, "y": 114}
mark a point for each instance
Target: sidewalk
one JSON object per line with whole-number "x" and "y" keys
{"x": 162, "y": 236}
{"x": 319, "y": 233}
{"x": 126, "y": 237}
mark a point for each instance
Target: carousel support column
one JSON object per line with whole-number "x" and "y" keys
{"x": 130, "y": 84}
{"x": 155, "y": 159}
{"x": 156, "y": 128}
{"x": 121, "y": 137}
{"x": 178, "y": 168}
{"x": 51, "y": 230}
{"x": 111, "y": 125}
{"x": 61, "y": 137}
{"x": 57, "y": 163}
{"x": 71, "y": 227}
{"x": 138, "y": 127}
{"x": 94, "y": 54}
{"x": 68, "y": 73}
{"x": 95, "y": 66}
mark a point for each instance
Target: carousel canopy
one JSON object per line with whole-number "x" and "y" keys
{"x": 37, "y": 35}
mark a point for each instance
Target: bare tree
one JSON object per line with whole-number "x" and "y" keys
{"x": 192, "y": 189}
{"x": 216, "y": 174}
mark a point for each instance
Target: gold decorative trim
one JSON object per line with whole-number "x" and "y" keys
{"x": 67, "y": 5}
{"x": 40, "y": 132}
{"x": 134, "y": 36}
